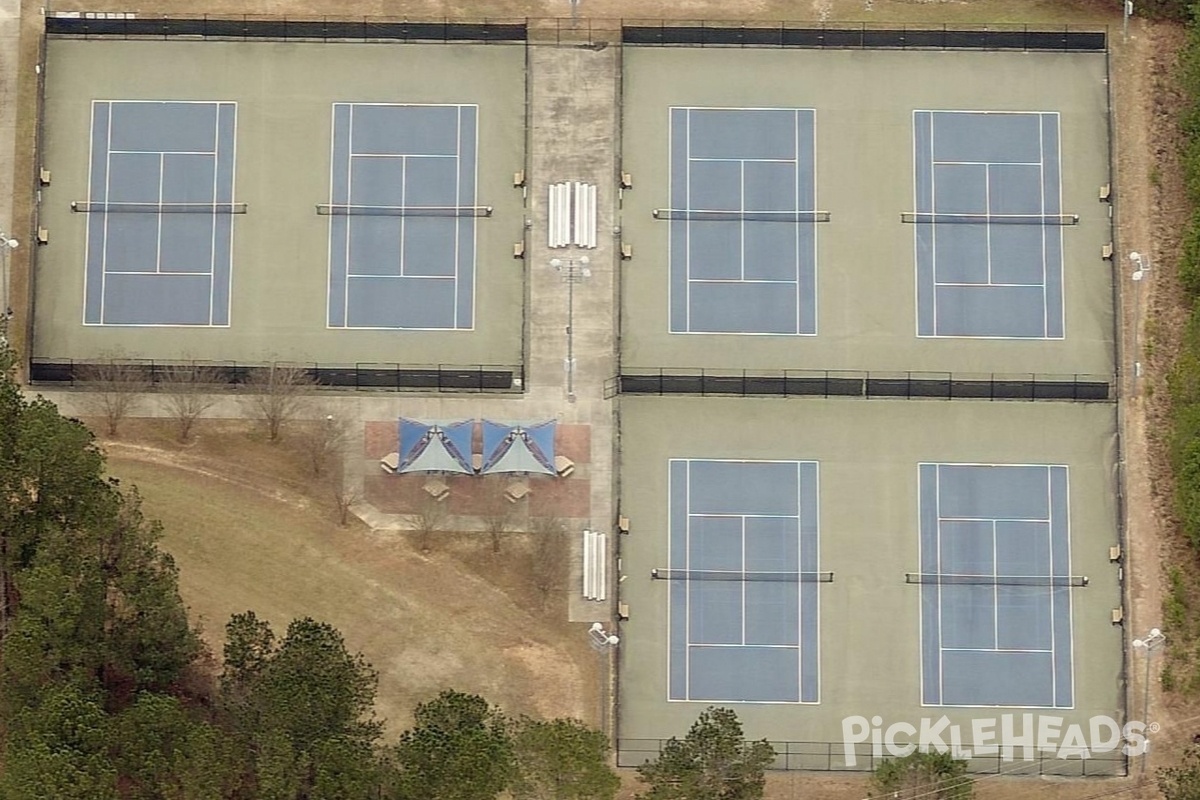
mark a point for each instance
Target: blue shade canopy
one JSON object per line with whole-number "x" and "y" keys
{"x": 518, "y": 447}
{"x": 435, "y": 446}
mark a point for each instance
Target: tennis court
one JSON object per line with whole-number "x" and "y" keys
{"x": 989, "y": 224}
{"x": 743, "y": 566}
{"x": 333, "y": 202}
{"x": 996, "y": 586}
{"x": 850, "y": 210}
{"x": 743, "y": 241}
{"x": 402, "y": 216}
{"x": 809, "y": 560}
{"x": 160, "y": 204}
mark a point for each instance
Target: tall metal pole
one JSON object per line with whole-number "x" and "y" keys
{"x": 570, "y": 340}
{"x": 572, "y": 271}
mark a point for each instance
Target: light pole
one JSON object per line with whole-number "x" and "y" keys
{"x": 1154, "y": 640}
{"x": 573, "y": 271}
{"x": 603, "y": 642}
{"x": 1141, "y": 266}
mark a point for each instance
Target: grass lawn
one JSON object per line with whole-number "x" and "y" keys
{"x": 459, "y": 617}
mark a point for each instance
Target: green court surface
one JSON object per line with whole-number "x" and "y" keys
{"x": 863, "y": 106}
{"x": 284, "y": 299}
{"x": 866, "y": 654}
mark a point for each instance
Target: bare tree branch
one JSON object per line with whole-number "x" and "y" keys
{"x": 114, "y": 388}
{"x": 430, "y": 517}
{"x": 187, "y": 393}
{"x": 344, "y": 495}
{"x": 499, "y": 513}
{"x": 323, "y": 442}
{"x": 551, "y": 556}
{"x": 277, "y": 394}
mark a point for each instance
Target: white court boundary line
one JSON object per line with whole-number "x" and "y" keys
{"x": 218, "y": 106}
{"x": 672, "y": 518}
{"x": 688, "y": 280}
{"x": 1065, "y": 510}
{"x": 459, "y": 268}
{"x": 1042, "y": 116}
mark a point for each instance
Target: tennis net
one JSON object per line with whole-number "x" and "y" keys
{"x": 936, "y": 218}
{"x": 89, "y": 207}
{"x": 739, "y": 575}
{"x": 953, "y": 579}
{"x": 703, "y": 215}
{"x": 359, "y": 210}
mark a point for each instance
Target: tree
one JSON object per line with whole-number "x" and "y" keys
{"x": 114, "y": 387}
{"x": 304, "y": 706}
{"x": 59, "y": 750}
{"x": 99, "y": 606}
{"x": 458, "y": 749}
{"x": 161, "y": 751}
{"x": 249, "y": 645}
{"x": 713, "y": 762}
{"x": 323, "y": 442}
{"x": 188, "y": 393}
{"x": 499, "y": 513}
{"x": 278, "y": 393}
{"x": 1182, "y": 782}
{"x": 928, "y": 775}
{"x": 551, "y": 555}
{"x": 429, "y": 517}
{"x": 338, "y": 687}
{"x": 561, "y": 759}
{"x": 346, "y": 770}
{"x": 345, "y": 494}
{"x": 51, "y": 476}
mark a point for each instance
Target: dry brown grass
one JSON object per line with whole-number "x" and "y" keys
{"x": 249, "y": 532}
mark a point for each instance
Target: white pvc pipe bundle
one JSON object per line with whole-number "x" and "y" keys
{"x": 585, "y": 215}
{"x": 572, "y": 217}
{"x": 595, "y": 565}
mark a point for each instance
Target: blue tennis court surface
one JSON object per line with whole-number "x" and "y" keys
{"x": 742, "y": 237}
{"x": 988, "y": 241}
{"x": 160, "y": 199}
{"x": 996, "y": 607}
{"x": 402, "y": 234}
{"x": 746, "y": 627}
